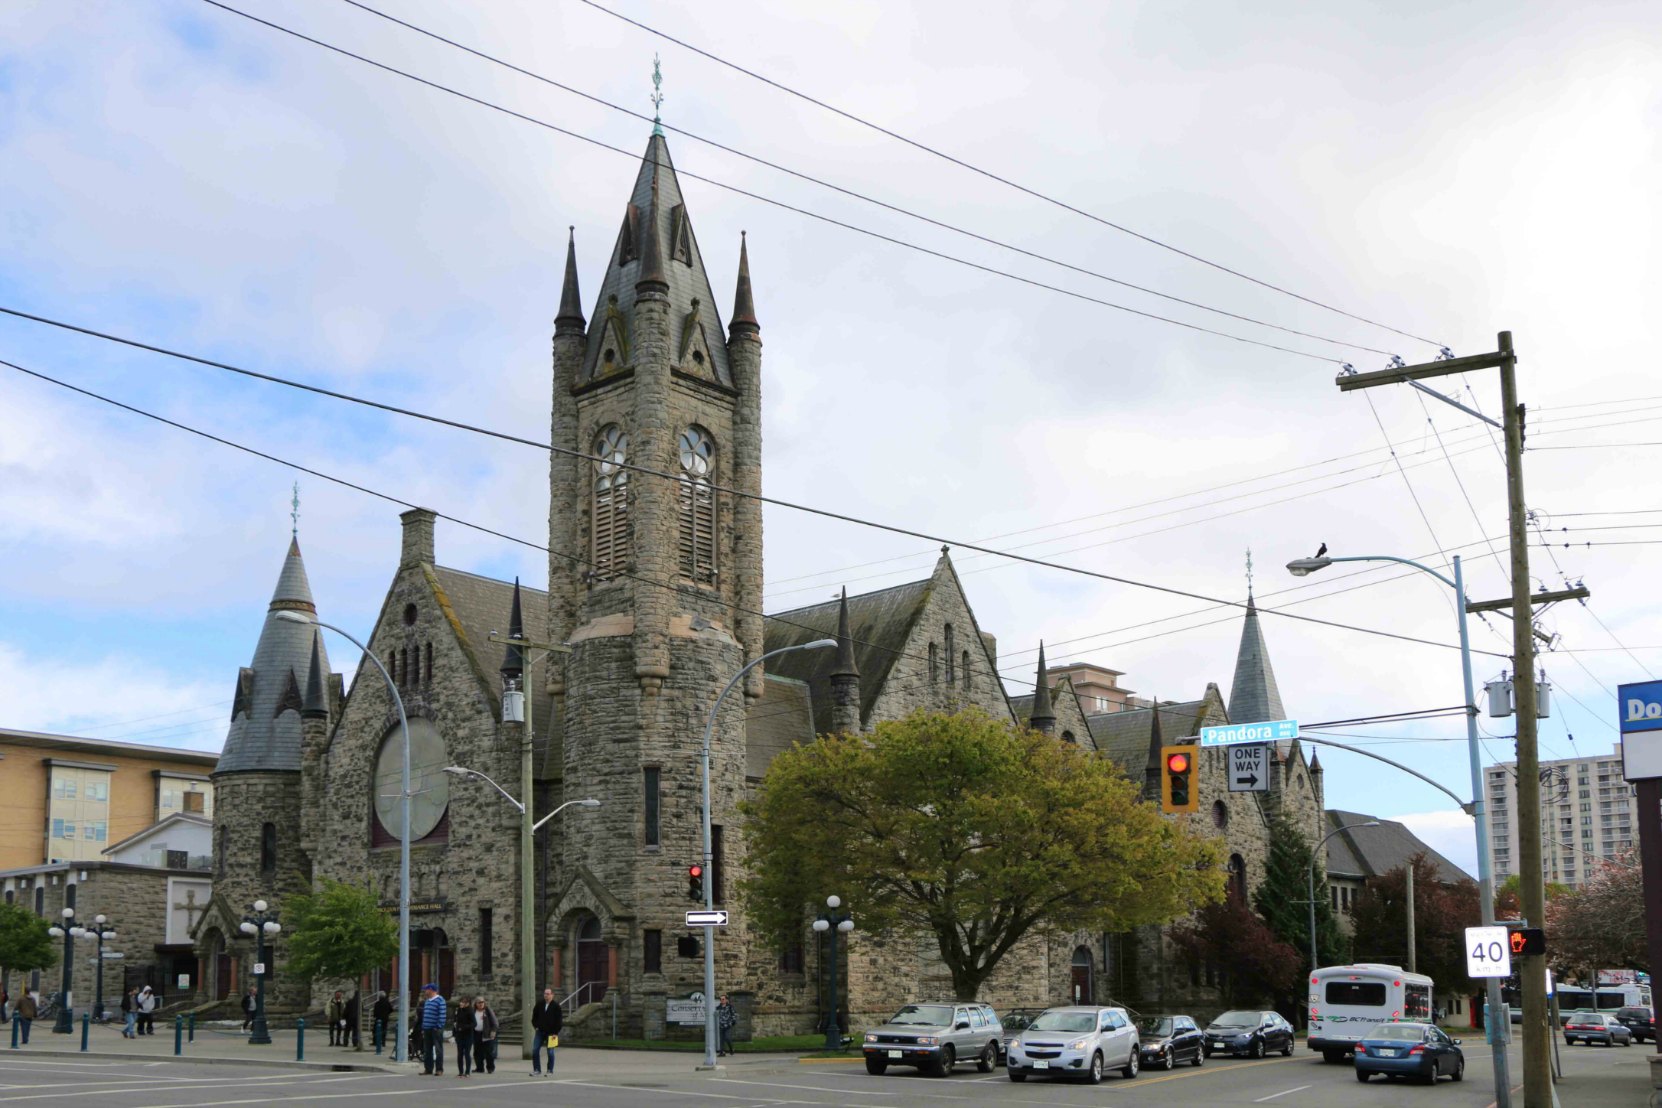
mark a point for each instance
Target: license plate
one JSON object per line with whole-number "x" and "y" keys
{"x": 1040, "y": 1064}
{"x": 894, "y": 1054}
{"x": 1388, "y": 1053}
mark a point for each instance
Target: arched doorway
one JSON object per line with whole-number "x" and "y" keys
{"x": 431, "y": 960}
{"x": 221, "y": 965}
{"x": 593, "y": 961}
{"x": 1082, "y": 975}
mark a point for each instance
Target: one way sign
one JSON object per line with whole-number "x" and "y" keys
{"x": 1247, "y": 769}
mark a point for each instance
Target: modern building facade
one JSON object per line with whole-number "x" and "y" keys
{"x": 1588, "y": 814}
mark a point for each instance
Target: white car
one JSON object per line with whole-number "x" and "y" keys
{"x": 1081, "y": 1042}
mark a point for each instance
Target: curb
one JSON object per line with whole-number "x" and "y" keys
{"x": 826, "y": 1061}
{"x": 200, "y": 1060}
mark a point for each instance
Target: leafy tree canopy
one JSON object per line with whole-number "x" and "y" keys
{"x": 1282, "y": 897}
{"x": 1601, "y": 925}
{"x": 1254, "y": 963}
{"x": 969, "y": 829}
{"x": 338, "y": 930}
{"x": 1509, "y": 896}
{"x": 1442, "y": 912}
{"x": 24, "y": 943}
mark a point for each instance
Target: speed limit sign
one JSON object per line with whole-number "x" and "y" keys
{"x": 1488, "y": 952}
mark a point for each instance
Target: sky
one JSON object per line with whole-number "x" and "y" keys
{"x": 178, "y": 174}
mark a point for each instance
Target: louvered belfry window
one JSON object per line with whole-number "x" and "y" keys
{"x": 697, "y": 507}
{"x": 611, "y": 502}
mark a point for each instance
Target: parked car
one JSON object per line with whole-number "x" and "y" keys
{"x": 1596, "y": 1027}
{"x": 1253, "y": 1034}
{"x": 1167, "y": 1040}
{"x": 934, "y": 1038}
{"x": 1081, "y": 1041}
{"x": 1015, "y": 1021}
{"x": 1409, "y": 1049}
{"x": 1640, "y": 1021}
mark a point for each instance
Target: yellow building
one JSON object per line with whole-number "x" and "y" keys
{"x": 68, "y": 798}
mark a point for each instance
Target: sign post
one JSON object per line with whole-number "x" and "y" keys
{"x": 1248, "y": 769}
{"x": 1641, "y": 725}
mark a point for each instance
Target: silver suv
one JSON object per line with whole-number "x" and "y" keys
{"x": 934, "y": 1038}
{"x": 1080, "y": 1041}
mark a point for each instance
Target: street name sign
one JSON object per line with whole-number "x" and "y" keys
{"x": 1488, "y": 952}
{"x": 1249, "y": 732}
{"x": 1247, "y": 769}
{"x": 717, "y": 918}
{"x": 1640, "y": 712}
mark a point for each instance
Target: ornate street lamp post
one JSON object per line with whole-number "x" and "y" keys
{"x": 66, "y": 1022}
{"x": 103, "y": 930}
{"x": 260, "y": 923}
{"x": 830, "y": 922}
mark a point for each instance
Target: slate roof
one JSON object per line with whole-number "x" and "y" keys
{"x": 1123, "y": 736}
{"x": 686, "y": 282}
{"x": 264, "y": 734}
{"x": 1371, "y": 851}
{"x": 1254, "y": 696}
{"x": 879, "y": 623}
{"x": 782, "y": 717}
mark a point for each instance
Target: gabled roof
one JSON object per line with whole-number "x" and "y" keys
{"x": 776, "y": 721}
{"x": 1364, "y": 852}
{"x": 1254, "y": 696}
{"x": 177, "y": 819}
{"x": 1124, "y": 736}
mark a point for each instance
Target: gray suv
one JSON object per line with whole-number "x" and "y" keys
{"x": 1079, "y": 1041}
{"x": 934, "y": 1038}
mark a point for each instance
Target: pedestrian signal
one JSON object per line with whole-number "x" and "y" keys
{"x": 1177, "y": 771}
{"x": 695, "y": 883}
{"x": 1526, "y": 941}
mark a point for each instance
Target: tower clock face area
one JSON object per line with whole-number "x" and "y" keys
{"x": 429, "y": 784}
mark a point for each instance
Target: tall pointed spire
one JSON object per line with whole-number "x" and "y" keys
{"x": 845, "y": 665}
{"x": 744, "y": 306}
{"x": 513, "y": 661}
{"x": 1156, "y": 741}
{"x": 1043, "y": 716}
{"x": 652, "y": 277}
{"x": 317, "y": 703}
{"x": 1254, "y": 696}
{"x": 571, "y": 301}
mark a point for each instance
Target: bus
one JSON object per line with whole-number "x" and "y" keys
{"x": 1347, "y": 1001}
{"x": 1606, "y": 998}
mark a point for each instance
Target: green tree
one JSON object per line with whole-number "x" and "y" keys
{"x": 1230, "y": 939}
{"x": 24, "y": 943}
{"x": 1282, "y": 898}
{"x": 338, "y": 930}
{"x": 1442, "y": 912}
{"x": 969, "y": 829}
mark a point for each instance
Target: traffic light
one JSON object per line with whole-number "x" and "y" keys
{"x": 1527, "y": 941}
{"x": 695, "y": 883}
{"x": 1177, "y": 779}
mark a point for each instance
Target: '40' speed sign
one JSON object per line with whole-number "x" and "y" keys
{"x": 1488, "y": 952}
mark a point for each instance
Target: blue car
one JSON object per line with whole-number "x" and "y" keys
{"x": 1409, "y": 1050}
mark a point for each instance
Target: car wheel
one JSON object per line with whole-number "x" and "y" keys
{"x": 1362, "y": 1076}
{"x": 1135, "y": 1062}
{"x": 1168, "y": 1059}
{"x": 1200, "y": 1058}
{"x": 1459, "y": 1073}
{"x": 1093, "y": 1076}
{"x": 1257, "y": 1048}
{"x": 988, "y": 1059}
{"x": 1628, "y": 1041}
{"x": 876, "y": 1066}
{"x": 948, "y": 1059}
{"x": 1287, "y": 1051}
{"x": 1017, "y": 1076}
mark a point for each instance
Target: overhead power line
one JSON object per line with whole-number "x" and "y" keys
{"x": 1005, "y": 181}
{"x": 781, "y": 204}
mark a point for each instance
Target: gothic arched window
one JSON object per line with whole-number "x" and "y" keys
{"x": 697, "y": 505}
{"x": 1237, "y": 879}
{"x": 966, "y": 669}
{"x": 951, "y": 658}
{"x": 611, "y": 501}
{"x": 934, "y": 663}
{"x": 268, "y": 850}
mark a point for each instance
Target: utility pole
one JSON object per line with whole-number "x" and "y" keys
{"x": 1408, "y": 887}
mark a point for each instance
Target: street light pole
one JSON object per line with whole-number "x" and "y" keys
{"x": 401, "y": 1040}
{"x": 1315, "y": 962}
{"x": 65, "y": 1023}
{"x": 100, "y": 922}
{"x": 1495, "y": 1016}
{"x": 259, "y": 924}
{"x": 709, "y": 848}
{"x": 830, "y": 922}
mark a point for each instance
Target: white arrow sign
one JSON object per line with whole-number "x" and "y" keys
{"x": 1247, "y": 769}
{"x": 717, "y": 918}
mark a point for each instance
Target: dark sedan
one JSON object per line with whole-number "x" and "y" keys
{"x": 1253, "y": 1034}
{"x": 1168, "y": 1040}
{"x": 1639, "y": 1021}
{"x": 1409, "y": 1050}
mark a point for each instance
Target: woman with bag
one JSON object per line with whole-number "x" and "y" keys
{"x": 484, "y": 1036}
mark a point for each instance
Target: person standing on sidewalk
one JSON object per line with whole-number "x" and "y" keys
{"x": 484, "y": 1036}
{"x": 432, "y": 1031}
{"x": 382, "y": 1014}
{"x": 248, "y": 1005}
{"x": 461, "y": 1031}
{"x": 146, "y": 1011}
{"x": 26, "y": 1009}
{"x": 129, "y": 1014}
{"x": 726, "y": 1020}
{"x": 546, "y": 1021}
{"x": 335, "y": 1013}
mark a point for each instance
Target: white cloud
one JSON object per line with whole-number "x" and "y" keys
{"x": 116, "y": 696}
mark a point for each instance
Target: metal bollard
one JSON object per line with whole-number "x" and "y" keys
{"x": 300, "y": 1040}
{"x": 16, "y": 1027}
{"x": 86, "y": 1029}
{"x": 190, "y": 1034}
{"x": 178, "y": 1035}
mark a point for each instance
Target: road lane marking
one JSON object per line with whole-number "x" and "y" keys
{"x": 670, "y": 1092}
{"x": 1283, "y": 1092}
{"x": 342, "y": 1095}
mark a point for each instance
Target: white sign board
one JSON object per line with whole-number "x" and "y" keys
{"x": 259, "y": 969}
{"x": 1248, "y": 772}
{"x": 717, "y": 918}
{"x": 684, "y": 1011}
{"x": 1641, "y": 727}
{"x": 1268, "y": 731}
{"x": 184, "y": 980}
{"x": 1488, "y": 952}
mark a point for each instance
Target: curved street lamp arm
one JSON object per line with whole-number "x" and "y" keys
{"x": 1464, "y": 805}
{"x": 538, "y": 825}
{"x": 486, "y": 778}
{"x": 1400, "y": 561}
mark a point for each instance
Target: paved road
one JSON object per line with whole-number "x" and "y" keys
{"x": 1594, "y": 1077}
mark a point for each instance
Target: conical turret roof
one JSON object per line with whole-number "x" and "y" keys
{"x": 1043, "y": 715}
{"x": 571, "y": 300}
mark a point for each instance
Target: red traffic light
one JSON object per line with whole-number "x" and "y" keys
{"x": 695, "y": 871}
{"x": 1177, "y": 763}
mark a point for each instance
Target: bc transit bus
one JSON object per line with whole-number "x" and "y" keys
{"x": 1346, "y": 1001}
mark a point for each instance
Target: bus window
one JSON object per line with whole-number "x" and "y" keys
{"x": 1416, "y": 1004}
{"x": 1357, "y": 994}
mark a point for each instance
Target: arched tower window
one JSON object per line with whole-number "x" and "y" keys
{"x": 1237, "y": 879}
{"x": 951, "y": 658}
{"x": 965, "y": 661}
{"x": 611, "y": 501}
{"x": 934, "y": 663}
{"x": 697, "y": 505}
{"x": 268, "y": 850}
{"x": 429, "y": 650}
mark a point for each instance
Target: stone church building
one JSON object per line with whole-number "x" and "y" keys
{"x": 655, "y": 588}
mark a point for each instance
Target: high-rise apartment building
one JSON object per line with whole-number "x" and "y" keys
{"x": 1587, "y": 815}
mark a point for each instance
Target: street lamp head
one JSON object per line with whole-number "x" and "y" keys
{"x": 247, "y": 928}
{"x": 588, "y": 802}
{"x": 846, "y": 926}
{"x": 68, "y": 913}
{"x": 289, "y": 615}
{"x": 822, "y": 925}
{"x": 260, "y": 906}
{"x": 833, "y": 901}
{"x": 55, "y": 932}
{"x": 100, "y": 918}
{"x": 1304, "y": 567}
{"x": 108, "y": 936}
{"x": 78, "y": 932}
{"x": 272, "y": 927}
{"x": 459, "y": 771}
{"x": 819, "y": 644}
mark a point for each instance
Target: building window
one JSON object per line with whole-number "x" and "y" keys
{"x": 934, "y": 663}
{"x": 611, "y": 502}
{"x": 791, "y": 960}
{"x": 652, "y": 952}
{"x": 651, "y": 804}
{"x": 1237, "y": 879}
{"x": 195, "y": 802}
{"x": 428, "y": 650}
{"x": 951, "y": 658}
{"x": 484, "y": 941}
{"x": 1067, "y": 737}
{"x": 966, "y": 669}
{"x": 268, "y": 850}
{"x": 717, "y": 885}
{"x": 40, "y": 900}
{"x": 697, "y": 505}
{"x": 1220, "y": 814}
{"x": 223, "y": 853}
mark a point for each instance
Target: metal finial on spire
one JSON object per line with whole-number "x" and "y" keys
{"x": 1249, "y": 571}
{"x": 294, "y": 512}
{"x": 657, "y": 95}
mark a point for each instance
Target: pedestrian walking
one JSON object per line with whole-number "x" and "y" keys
{"x": 335, "y": 1013}
{"x": 461, "y": 1032}
{"x": 484, "y": 1036}
{"x": 382, "y": 1014}
{"x": 726, "y": 1020}
{"x": 432, "y": 1030}
{"x": 129, "y": 1014}
{"x": 249, "y": 1003}
{"x": 146, "y": 1011}
{"x": 546, "y": 1021}
{"x": 26, "y": 1009}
